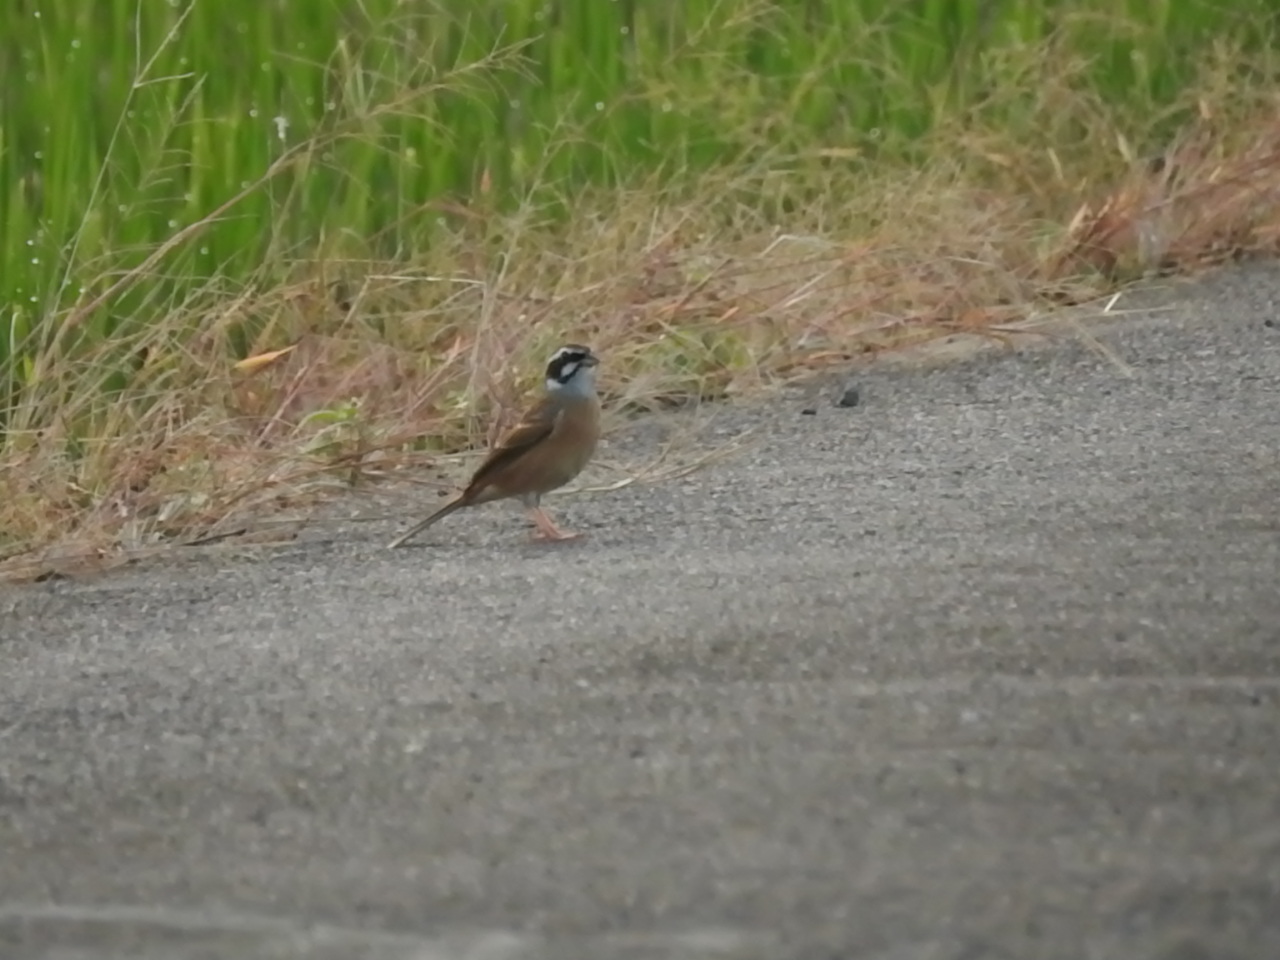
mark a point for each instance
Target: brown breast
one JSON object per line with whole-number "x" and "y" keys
{"x": 555, "y": 460}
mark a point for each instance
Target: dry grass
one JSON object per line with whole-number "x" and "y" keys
{"x": 361, "y": 372}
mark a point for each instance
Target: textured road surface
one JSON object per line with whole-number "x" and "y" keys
{"x": 985, "y": 667}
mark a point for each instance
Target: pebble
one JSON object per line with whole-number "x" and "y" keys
{"x": 849, "y": 397}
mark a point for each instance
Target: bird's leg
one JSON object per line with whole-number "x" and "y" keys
{"x": 547, "y": 530}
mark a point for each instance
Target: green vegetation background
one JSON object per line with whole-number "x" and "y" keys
{"x": 346, "y": 129}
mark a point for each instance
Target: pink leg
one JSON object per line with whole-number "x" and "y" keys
{"x": 547, "y": 530}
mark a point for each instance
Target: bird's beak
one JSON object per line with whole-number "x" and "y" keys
{"x": 591, "y": 360}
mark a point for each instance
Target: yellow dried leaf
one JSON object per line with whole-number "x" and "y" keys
{"x": 259, "y": 360}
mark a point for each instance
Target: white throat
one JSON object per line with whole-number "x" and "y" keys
{"x": 581, "y": 384}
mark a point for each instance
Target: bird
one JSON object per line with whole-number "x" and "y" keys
{"x": 549, "y": 447}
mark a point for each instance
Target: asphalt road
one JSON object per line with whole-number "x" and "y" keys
{"x": 985, "y": 667}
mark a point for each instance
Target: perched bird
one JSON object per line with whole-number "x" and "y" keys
{"x": 547, "y": 449}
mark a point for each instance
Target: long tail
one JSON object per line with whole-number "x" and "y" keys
{"x": 421, "y": 525}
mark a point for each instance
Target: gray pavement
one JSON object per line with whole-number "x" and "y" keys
{"x": 985, "y": 667}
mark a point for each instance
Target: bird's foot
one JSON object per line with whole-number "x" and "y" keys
{"x": 557, "y": 537}
{"x": 545, "y": 528}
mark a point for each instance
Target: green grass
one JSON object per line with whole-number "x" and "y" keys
{"x": 185, "y": 183}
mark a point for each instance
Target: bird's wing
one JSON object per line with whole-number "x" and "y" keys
{"x": 533, "y": 429}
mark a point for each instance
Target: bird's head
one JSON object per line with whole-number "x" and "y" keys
{"x": 572, "y": 370}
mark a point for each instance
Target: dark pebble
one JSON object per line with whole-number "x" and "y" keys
{"x": 809, "y": 412}
{"x": 850, "y": 397}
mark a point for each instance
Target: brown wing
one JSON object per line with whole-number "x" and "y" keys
{"x": 535, "y": 427}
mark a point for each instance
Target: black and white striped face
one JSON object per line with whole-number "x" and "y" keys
{"x": 571, "y": 368}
